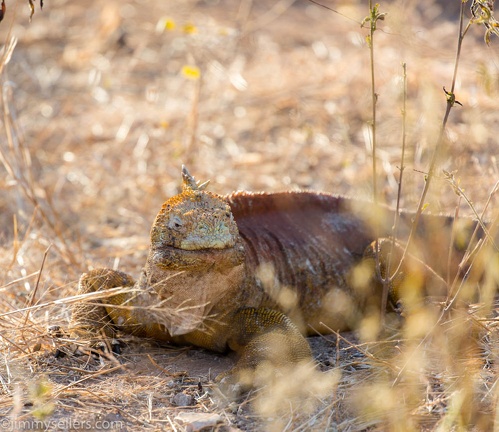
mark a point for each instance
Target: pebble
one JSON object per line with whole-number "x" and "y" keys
{"x": 182, "y": 399}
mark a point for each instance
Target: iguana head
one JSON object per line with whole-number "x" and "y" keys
{"x": 196, "y": 256}
{"x": 194, "y": 219}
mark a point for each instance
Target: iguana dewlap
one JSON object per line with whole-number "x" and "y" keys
{"x": 252, "y": 272}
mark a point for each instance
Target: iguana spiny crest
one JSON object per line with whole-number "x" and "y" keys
{"x": 194, "y": 219}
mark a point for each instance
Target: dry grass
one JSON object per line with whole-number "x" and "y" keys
{"x": 97, "y": 120}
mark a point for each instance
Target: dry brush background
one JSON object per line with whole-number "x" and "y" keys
{"x": 98, "y": 116}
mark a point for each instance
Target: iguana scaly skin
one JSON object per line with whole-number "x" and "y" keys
{"x": 254, "y": 272}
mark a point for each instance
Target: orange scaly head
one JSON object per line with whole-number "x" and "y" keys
{"x": 194, "y": 219}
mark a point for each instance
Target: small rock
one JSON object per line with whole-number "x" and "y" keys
{"x": 182, "y": 399}
{"x": 193, "y": 421}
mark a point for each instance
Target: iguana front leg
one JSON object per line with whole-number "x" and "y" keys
{"x": 263, "y": 338}
{"x": 92, "y": 317}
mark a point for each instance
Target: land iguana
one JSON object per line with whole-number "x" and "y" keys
{"x": 256, "y": 272}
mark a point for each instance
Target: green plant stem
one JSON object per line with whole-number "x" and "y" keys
{"x": 431, "y": 172}
{"x": 387, "y": 280}
{"x": 374, "y": 97}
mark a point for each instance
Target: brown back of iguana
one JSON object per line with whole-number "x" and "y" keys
{"x": 302, "y": 247}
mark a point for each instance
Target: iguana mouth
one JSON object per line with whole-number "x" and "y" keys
{"x": 173, "y": 258}
{"x": 202, "y": 242}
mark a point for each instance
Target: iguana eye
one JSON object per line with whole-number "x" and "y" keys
{"x": 174, "y": 222}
